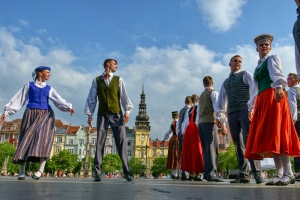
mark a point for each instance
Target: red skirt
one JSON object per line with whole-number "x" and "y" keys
{"x": 272, "y": 129}
{"x": 192, "y": 158}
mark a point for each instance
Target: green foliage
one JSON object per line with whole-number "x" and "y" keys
{"x": 79, "y": 164}
{"x": 7, "y": 151}
{"x": 64, "y": 160}
{"x": 136, "y": 166}
{"x": 228, "y": 159}
{"x": 111, "y": 163}
{"x": 159, "y": 166}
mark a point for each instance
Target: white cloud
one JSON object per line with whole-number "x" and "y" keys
{"x": 221, "y": 15}
{"x": 24, "y": 22}
{"x": 42, "y": 31}
{"x": 169, "y": 74}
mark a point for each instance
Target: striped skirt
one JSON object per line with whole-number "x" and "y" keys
{"x": 36, "y": 136}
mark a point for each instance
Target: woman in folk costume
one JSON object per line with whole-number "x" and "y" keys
{"x": 192, "y": 158}
{"x": 173, "y": 151}
{"x": 272, "y": 132}
{"x": 38, "y": 122}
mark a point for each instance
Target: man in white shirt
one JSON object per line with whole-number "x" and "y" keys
{"x": 111, "y": 93}
{"x": 237, "y": 98}
{"x": 294, "y": 103}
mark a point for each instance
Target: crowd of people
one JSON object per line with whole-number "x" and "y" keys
{"x": 263, "y": 119}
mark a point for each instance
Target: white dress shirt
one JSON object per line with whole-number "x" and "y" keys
{"x": 292, "y": 98}
{"x": 221, "y": 107}
{"x": 19, "y": 100}
{"x": 169, "y": 132}
{"x": 91, "y": 101}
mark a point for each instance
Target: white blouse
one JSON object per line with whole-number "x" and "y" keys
{"x": 169, "y": 132}
{"x": 19, "y": 100}
{"x": 292, "y": 98}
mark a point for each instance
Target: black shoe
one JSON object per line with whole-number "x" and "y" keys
{"x": 241, "y": 180}
{"x": 97, "y": 178}
{"x": 185, "y": 178}
{"x": 21, "y": 178}
{"x": 290, "y": 180}
{"x": 35, "y": 177}
{"x": 215, "y": 179}
{"x": 128, "y": 177}
{"x": 197, "y": 178}
{"x": 297, "y": 179}
{"x": 258, "y": 178}
{"x": 173, "y": 177}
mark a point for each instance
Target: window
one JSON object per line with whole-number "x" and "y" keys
{"x": 59, "y": 139}
{"x": 16, "y": 136}
{"x": 154, "y": 153}
{"x": 93, "y": 150}
{"x": 226, "y": 138}
{"x": 6, "y": 136}
{"x": 162, "y": 144}
{"x": 129, "y": 142}
{"x": 79, "y": 152}
{"x": 154, "y": 144}
{"x": 94, "y": 140}
{"x": 162, "y": 153}
{"x": 81, "y": 142}
{"x": 70, "y": 150}
{"x": 70, "y": 141}
{"x": 129, "y": 153}
{"x": 58, "y": 148}
{"x": 142, "y": 154}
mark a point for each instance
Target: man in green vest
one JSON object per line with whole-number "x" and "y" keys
{"x": 111, "y": 93}
{"x": 294, "y": 103}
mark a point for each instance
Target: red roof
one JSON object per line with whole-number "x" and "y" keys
{"x": 72, "y": 129}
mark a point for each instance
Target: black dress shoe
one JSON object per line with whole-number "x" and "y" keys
{"x": 215, "y": 179}
{"x": 97, "y": 178}
{"x": 241, "y": 180}
{"x": 128, "y": 177}
{"x": 258, "y": 178}
{"x": 197, "y": 178}
{"x": 173, "y": 177}
{"x": 185, "y": 178}
{"x": 35, "y": 177}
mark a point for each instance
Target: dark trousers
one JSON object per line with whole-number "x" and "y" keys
{"x": 297, "y": 159}
{"x": 239, "y": 125}
{"x": 115, "y": 121}
{"x": 180, "y": 138}
{"x": 210, "y": 147}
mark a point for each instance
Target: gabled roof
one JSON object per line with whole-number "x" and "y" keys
{"x": 72, "y": 129}
{"x": 58, "y": 123}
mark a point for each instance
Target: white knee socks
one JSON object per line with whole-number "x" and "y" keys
{"x": 282, "y": 164}
{"x": 42, "y": 166}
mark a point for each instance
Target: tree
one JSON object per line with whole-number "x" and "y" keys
{"x": 111, "y": 163}
{"x": 159, "y": 166}
{"x": 136, "y": 166}
{"x": 7, "y": 151}
{"x": 79, "y": 164}
{"x": 64, "y": 160}
{"x": 228, "y": 160}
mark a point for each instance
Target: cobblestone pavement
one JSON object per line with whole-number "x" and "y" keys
{"x": 144, "y": 189}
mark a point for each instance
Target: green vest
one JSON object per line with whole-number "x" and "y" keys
{"x": 298, "y": 103}
{"x": 262, "y": 77}
{"x": 108, "y": 96}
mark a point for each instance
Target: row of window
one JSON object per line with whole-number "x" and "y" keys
{"x": 142, "y": 153}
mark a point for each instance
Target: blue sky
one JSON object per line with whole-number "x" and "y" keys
{"x": 170, "y": 45}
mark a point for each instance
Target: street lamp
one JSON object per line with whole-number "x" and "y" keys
{"x": 147, "y": 156}
{"x": 86, "y": 170}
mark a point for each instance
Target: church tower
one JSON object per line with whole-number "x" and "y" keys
{"x": 142, "y": 133}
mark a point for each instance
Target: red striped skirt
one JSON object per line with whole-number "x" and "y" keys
{"x": 272, "y": 129}
{"x": 173, "y": 153}
{"x": 36, "y": 136}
